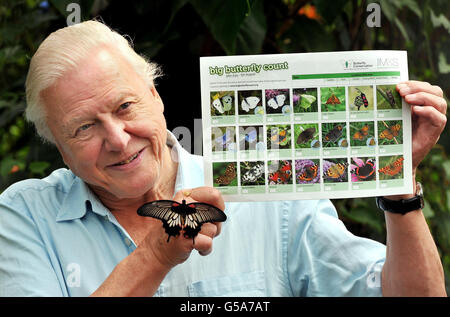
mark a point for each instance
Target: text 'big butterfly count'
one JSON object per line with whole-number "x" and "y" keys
{"x": 187, "y": 217}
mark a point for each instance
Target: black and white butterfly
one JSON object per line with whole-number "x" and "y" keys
{"x": 177, "y": 217}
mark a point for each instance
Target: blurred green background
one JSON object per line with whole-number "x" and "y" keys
{"x": 176, "y": 33}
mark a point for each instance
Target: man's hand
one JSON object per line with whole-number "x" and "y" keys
{"x": 428, "y": 109}
{"x": 178, "y": 249}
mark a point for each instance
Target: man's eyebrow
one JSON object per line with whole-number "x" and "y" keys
{"x": 121, "y": 96}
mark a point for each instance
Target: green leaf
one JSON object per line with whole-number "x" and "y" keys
{"x": 438, "y": 21}
{"x": 444, "y": 67}
{"x": 250, "y": 38}
{"x": 38, "y": 167}
{"x": 224, "y": 19}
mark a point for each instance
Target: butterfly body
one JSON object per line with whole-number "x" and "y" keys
{"x": 361, "y": 100}
{"x": 187, "y": 217}
{"x": 333, "y": 100}
{"x": 391, "y": 98}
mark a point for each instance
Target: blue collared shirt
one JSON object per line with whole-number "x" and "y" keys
{"x": 58, "y": 239}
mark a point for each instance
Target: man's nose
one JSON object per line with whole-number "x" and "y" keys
{"x": 116, "y": 138}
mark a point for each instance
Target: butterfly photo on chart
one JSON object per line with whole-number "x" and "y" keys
{"x": 390, "y": 132}
{"x": 252, "y": 173}
{"x": 361, "y": 132}
{"x": 391, "y": 167}
{"x": 332, "y": 99}
{"x": 360, "y": 98}
{"x": 335, "y": 170}
{"x": 280, "y": 172}
{"x": 305, "y": 134}
{"x": 223, "y": 139}
{"x": 224, "y": 174}
{"x": 363, "y": 169}
{"x": 222, "y": 103}
{"x": 250, "y": 138}
{"x": 388, "y": 97}
{"x": 334, "y": 134}
{"x": 177, "y": 217}
{"x": 249, "y": 101}
{"x": 304, "y": 100}
{"x": 279, "y": 136}
{"x": 277, "y": 101}
{"x": 307, "y": 171}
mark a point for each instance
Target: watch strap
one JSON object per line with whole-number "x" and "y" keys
{"x": 402, "y": 206}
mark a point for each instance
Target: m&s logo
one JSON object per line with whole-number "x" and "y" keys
{"x": 387, "y": 62}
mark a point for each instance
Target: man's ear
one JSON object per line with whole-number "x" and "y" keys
{"x": 154, "y": 92}
{"x": 63, "y": 154}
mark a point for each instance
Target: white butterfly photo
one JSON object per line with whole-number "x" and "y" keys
{"x": 249, "y": 103}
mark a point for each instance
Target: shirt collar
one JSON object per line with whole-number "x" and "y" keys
{"x": 80, "y": 199}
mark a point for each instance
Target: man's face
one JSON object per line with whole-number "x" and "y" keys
{"x": 108, "y": 125}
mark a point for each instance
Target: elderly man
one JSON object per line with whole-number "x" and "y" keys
{"x": 77, "y": 233}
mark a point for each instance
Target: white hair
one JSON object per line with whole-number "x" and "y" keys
{"x": 61, "y": 51}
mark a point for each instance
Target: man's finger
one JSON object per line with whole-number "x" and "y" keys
{"x": 413, "y": 86}
{"x": 427, "y": 99}
{"x": 434, "y": 117}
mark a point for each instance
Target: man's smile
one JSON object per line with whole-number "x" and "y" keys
{"x": 130, "y": 161}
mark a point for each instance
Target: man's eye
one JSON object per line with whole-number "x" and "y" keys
{"x": 124, "y": 106}
{"x": 84, "y": 127}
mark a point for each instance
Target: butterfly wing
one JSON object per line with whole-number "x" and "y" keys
{"x": 166, "y": 211}
{"x": 217, "y": 104}
{"x": 334, "y": 134}
{"x": 227, "y": 102}
{"x": 200, "y": 214}
{"x": 336, "y": 171}
{"x": 228, "y": 176}
{"x": 306, "y": 135}
{"x": 252, "y": 102}
{"x": 272, "y": 103}
{"x": 280, "y": 99}
{"x": 244, "y": 105}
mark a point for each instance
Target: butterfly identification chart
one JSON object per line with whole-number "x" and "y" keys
{"x": 306, "y": 126}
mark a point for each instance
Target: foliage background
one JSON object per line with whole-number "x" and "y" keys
{"x": 175, "y": 33}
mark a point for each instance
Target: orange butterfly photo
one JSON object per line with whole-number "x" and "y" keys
{"x": 361, "y": 132}
{"x": 332, "y": 99}
{"x": 335, "y": 170}
{"x": 390, "y": 132}
{"x": 391, "y": 167}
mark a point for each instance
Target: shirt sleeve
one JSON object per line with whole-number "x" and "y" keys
{"x": 25, "y": 266}
{"x": 325, "y": 259}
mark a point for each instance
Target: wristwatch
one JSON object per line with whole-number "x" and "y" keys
{"x": 402, "y": 206}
